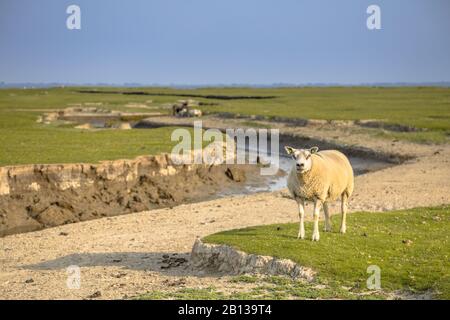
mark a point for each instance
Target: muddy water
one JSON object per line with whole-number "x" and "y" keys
{"x": 278, "y": 181}
{"x": 362, "y": 161}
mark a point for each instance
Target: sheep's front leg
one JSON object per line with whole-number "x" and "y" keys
{"x": 301, "y": 213}
{"x": 316, "y": 236}
{"x": 344, "y": 213}
{"x": 327, "y": 217}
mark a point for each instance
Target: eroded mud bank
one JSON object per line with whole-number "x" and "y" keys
{"x": 224, "y": 259}
{"x": 34, "y": 197}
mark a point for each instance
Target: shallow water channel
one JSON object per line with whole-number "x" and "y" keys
{"x": 361, "y": 163}
{"x": 276, "y": 182}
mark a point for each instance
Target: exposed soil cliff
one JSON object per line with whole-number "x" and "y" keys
{"x": 34, "y": 197}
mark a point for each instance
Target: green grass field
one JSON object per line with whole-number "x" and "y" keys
{"x": 411, "y": 247}
{"x": 419, "y": 107}
{"x": 23, "y": 141}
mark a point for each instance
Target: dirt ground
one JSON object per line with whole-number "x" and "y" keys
{"x": 124, "y": 256}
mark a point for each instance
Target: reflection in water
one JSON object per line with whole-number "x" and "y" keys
{"x": 278, "y": 181}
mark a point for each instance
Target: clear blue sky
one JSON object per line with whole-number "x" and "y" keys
{"x": 224, "y": 41}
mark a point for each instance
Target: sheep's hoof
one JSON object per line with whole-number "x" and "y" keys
{"x": 301, "y": 233}
{"x": 315, "y": 237}
{"x": 343, "y": 230}
{"x": 327, "y": 229}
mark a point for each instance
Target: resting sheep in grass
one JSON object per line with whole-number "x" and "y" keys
{"x": 320, "y": 177}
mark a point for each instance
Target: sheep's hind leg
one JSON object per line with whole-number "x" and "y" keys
{"x": 344, "y": 213}
{"x": 327, "y": 217}
{"x": 316, "y": 236}
{"x": 301, "y": 213}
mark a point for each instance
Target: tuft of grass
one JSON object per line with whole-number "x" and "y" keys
{"x": 265, "y": 288}
{"x": 209, "y": 293}
{"x": 245, "y": 278}
{"x": 411, "y": 247}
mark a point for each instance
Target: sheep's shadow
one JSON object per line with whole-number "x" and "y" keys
{"x": 167, "y": 263}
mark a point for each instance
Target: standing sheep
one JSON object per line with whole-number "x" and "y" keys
{"x": 320, "y": 177}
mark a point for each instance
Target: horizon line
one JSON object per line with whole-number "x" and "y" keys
{"x": 33, "y": 85}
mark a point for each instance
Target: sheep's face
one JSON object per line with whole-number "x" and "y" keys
{"x": 302, "y": 158}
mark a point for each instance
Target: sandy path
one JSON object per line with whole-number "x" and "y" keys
{"x": 122, "y": 256}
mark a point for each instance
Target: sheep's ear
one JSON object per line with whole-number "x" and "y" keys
{"x": 314, "y": 150}
{"x": 289, "y": 150}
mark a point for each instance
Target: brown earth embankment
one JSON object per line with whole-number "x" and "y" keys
{"x": 34, "y": 197}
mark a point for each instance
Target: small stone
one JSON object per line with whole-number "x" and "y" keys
{"x": 235, "y": 174}
{"x": 117, "y": 260}
{"x": 407, "y": 242}
{"x": 174, "y": 283}
{"x": 226, "y": 259}
{"x": 62, "y": 233}
{"x": 30, "y": 280}
{"x": 119, "y": 275}
{"x": 96, "y": 294}
{"x": 365, "y": 234}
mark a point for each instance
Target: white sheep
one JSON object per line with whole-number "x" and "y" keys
{"x": 320, "y": 177}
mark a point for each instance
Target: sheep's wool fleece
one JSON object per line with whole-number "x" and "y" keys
{"x": 330, "y": 176}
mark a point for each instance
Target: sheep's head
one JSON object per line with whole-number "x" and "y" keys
{"x": 302, "y": 157}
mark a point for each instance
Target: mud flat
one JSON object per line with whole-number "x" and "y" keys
{"x": 95, "y": 117}
{"x": 34, "y": 197}
{"x": 299, "y": 122}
